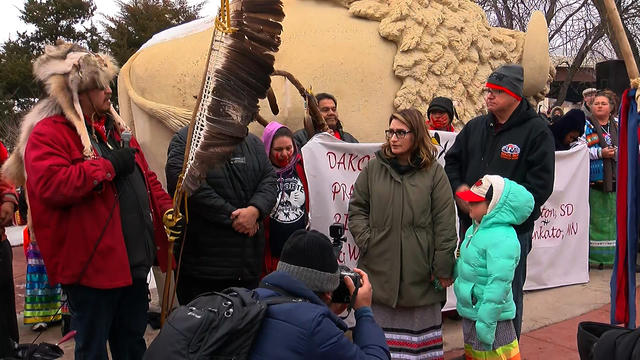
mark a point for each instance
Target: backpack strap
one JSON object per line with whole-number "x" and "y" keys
{"x": 283, "y": 295}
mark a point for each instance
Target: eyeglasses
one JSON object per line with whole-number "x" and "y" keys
{"x": 494, "y": 92}
{"x": 400, "y": 134}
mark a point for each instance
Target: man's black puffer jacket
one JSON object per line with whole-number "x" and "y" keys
{"x": 213, "y": 250}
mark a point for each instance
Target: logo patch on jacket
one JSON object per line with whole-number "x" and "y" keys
{"x": 510, "y": 152}
{"x": 592, "y": 139}
{"x": 237, "y": 160}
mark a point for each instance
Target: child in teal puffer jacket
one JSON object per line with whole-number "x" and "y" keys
{"x": 484, "y": 271}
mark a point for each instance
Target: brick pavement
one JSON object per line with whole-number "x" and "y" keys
{"x": 553, "y": 342}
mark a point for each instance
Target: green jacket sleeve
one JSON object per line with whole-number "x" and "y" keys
{"x": 444, "y": 224}
{"x": 359, "y": 211}
{"x": 502, "y": 258}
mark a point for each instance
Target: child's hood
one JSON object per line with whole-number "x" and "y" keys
{"x": 511, "y": 203}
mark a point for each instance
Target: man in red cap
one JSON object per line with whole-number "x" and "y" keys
{"x": 512, "y": 141}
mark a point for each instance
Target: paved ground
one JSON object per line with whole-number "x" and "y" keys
{"x": 549, "y": 327}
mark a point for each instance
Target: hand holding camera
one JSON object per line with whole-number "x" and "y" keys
{"x": 365, "y": 291}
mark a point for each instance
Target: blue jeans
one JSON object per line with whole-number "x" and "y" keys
{"x": 519, "y": 277}
{"x": 115, "y": 315}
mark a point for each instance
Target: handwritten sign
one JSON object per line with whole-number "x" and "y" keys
{"x": 560, "y": 250}
{"x": 332, "y": 167}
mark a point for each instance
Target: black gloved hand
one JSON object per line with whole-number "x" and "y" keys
{"x": 123, "y": 160}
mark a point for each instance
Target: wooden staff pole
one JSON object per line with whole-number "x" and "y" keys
{"x": 168, "y": 292}
{"x": 621, "y": 38}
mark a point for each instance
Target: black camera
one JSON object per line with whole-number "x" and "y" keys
{"x": 336, "y": 232}
{"x": 341, "y": 294}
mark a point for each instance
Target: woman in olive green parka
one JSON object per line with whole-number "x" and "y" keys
{"x": 402, "y": 217}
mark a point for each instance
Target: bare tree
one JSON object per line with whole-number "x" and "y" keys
{"x": 630, "y": 15}
{"x": 577, "y": 28}
{"x": 10, "y": 129}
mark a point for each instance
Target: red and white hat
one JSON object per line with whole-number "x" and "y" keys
{"x": 478, "y": 191}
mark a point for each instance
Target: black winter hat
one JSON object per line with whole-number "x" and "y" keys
{"x": 573, "y": 120}
{"x": 308, "y": 257}
{"x": 442, "y": 103}
{"x": 508, "y": 78}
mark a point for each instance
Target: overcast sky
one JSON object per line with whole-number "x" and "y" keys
{"x": 10, "y": 12}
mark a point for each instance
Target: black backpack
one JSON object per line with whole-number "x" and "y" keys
{"x": 216, "y": 325}
{"x": 598, "y": 341}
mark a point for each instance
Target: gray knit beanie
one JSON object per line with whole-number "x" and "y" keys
{"x": 508, "y": 78}
{"x": 308, "y": 257}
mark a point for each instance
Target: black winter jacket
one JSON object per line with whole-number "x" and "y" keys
{"x": 522, "y": 151}
{"x": 213, "y": 250}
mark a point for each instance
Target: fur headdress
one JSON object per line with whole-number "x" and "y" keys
{"x": 65, "y": 69}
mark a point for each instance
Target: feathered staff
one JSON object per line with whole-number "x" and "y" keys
{"x": 623, "y": 278}
{"x": 237, "y": 75}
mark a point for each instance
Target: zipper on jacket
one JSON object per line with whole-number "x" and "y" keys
{"x": 401, "y": 234}
{"x": 472, "y": 234}
{"x": 488, "y": 153}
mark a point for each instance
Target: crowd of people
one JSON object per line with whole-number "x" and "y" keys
{"x": 98, "y": 220}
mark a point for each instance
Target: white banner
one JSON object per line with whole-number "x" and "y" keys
{"x": 560, "y": 253}
{"x": 331, "y": 167}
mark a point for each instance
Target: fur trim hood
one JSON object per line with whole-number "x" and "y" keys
{"x": 65, "y": 69}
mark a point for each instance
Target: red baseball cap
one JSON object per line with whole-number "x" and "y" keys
{"x": 478, "y": 191}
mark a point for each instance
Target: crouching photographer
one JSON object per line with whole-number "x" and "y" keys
{"x": 308, "y": 327}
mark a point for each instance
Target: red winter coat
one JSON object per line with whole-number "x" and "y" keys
{"x": 70, "y": 210}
